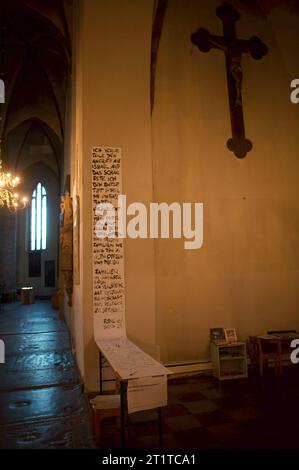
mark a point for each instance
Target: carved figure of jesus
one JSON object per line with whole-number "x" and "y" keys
{"x": 235, "y": 68}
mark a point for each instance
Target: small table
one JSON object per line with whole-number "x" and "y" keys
{"x": 114, "y": 351}
{"x": 123, "y": 385}
{"x": 27, "y": 295}
{"x": 229, "y": 360}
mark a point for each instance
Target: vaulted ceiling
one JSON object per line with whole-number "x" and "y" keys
{"x": 35, "y": 64}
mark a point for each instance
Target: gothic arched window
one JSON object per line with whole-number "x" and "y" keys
{"x": 38, "y": 239}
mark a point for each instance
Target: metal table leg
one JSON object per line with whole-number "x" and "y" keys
{"x": 101, "y": 372}
{"x": 123, "y": 387}
{"x": 160, "y": 425}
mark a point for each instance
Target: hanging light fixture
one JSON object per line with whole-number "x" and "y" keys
{"x": 8, "y": 194}
{"x": 8, "y": 183}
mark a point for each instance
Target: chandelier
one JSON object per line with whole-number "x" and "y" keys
{"x": 8, "y": 182}
{"x": 8, "y": 194}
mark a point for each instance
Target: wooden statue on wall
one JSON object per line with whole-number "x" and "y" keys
{"x": 66, "y": 245}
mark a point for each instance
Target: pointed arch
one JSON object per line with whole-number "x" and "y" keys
{"x": 52, "y": 137}
{"x": 38, "y": 218}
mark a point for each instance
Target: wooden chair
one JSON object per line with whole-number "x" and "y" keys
{"x": 103, "y": 406}
{"x": 261, "y": 352}
{"x": 285, "y": 343}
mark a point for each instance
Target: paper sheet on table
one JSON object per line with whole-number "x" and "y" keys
{"x": 147, "y": 393}
{"x": 128, "y": 360}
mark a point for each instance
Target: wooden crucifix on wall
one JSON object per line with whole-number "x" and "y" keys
{"x": 233, "y": 49}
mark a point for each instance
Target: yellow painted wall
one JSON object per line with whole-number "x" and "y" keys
{"x": 247, "y": 273}
{"x": 114, "y": 49}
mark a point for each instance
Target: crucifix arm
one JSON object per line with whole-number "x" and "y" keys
{"x": 253, "y": 46}
{"x": 205, "y": 41}
{"x": 219, "y": 43}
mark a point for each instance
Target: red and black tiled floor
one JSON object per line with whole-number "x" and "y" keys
{"x": 41, "y": 404}
{"x": 205, "y": 414}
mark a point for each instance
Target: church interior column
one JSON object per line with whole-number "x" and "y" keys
{"x": 112, "y": 74}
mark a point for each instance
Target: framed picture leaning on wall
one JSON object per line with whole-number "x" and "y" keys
{"x": 230, "y": 335}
